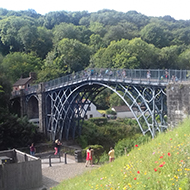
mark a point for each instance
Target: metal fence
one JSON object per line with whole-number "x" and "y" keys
{"x": 152, "y": 76}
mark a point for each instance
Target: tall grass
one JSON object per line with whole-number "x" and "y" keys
{"x": 163, "y": 163}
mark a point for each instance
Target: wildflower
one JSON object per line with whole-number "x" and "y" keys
{"x": 135, "y": 178}
{"x": 153, "y": 153}
{"x": 161, "y": 156}
{"x": 170, "y": 139}
{"x": 161, "y": 165}
{"x": 138, "y": 172}
{"x": 129, "y": 185}
{"x": 169, "y": 154}
{"x": 155, "y": 169}
{"x": 136, "y": 145}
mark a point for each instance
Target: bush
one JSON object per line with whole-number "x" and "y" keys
{"x": 98, "y": 120}
{"x": 17, "y": 132}
{"x": 110, "y": 112}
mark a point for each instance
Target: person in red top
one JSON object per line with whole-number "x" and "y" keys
{"x": 88, "y": 157}
{"x": 32, "y": 149}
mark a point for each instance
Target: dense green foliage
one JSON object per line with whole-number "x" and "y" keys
{"x": 62, "y": 42}
{"x": 107, "y": 134}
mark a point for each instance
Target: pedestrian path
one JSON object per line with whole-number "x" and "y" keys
{"x": 57, "y": 161}
{"x": 59, "y": 171}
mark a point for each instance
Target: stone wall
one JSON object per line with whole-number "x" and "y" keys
{"x": 178, "y": 102}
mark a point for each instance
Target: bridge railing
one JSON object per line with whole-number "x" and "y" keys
{"x": 129, "y": 75}
{"x": 138, "y": 75}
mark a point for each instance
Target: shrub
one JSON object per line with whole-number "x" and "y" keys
{"x": 111, "y": 112}
{"x": 98, "y": 120}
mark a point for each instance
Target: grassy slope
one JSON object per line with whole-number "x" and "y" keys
{"x": 163, "y": 163}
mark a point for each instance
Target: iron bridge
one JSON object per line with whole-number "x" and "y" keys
{"x": 143, "y": 91}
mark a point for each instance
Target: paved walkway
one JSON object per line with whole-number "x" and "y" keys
{"x": 52, "y": 176}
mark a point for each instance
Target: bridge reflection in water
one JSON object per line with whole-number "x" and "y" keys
{"x": 63, "y": 99}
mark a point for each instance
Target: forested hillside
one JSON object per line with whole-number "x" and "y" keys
{"x": 61, "y": 42}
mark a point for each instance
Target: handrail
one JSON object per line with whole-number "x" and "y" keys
{"x": 151, "y": 76}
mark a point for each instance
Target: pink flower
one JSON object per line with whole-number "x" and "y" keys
{"x": 161, "y": 165}
{"x": 138, "y": 172}
{"x": 135, "y": 178}
{"x": 155, "y": 169}
{"x": 136, "y": 145}
{"x": 169, "y": 154}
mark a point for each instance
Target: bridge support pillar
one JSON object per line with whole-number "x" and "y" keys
{"x": 23, "y": 103}
{"x": 41, "y": 102}
{"x": 178, "y": 102}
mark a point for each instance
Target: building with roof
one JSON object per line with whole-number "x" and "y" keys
{"x": 89, "y": 110}
{"x": 24, "y": 83}
{"x": 124, "y": 111}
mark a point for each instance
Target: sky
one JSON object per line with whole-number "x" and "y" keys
{"x": 175, "y": 8}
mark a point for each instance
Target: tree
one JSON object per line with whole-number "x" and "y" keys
{"x": 5, "y": 91}
{"x": 181, "y": 36}
{"x": 96, "y": 42}
{"x": 44, "y": 43}
{"x": 154, "y": 33}
{"x": 115, "y": 100}
{"x": 9, "y": 32}
{"x": 114, "y": 33}
{"x": 69, "y": 56}
{"x": 136, "y": 18}
{"x": 169, "y": 57}
{"x": 19, "y": 64}
{"x": 72, "y": 55}
{"x": 55, "y": 18}
{"x": 64, "y": 30}
{"x": 184, "y": 60}
{"x": 28, "y": 37}
{"x": 97, "y": 28}
{"x": 127, "y": 54}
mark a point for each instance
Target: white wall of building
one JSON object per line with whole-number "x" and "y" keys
{"x": 91, "y": 111}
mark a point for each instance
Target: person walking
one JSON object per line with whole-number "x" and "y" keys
{"x": 57, "y": 146}
{"x": 111, "y": 155}
{"x": 88, "y": 157}
{"x": 32, "y": 149}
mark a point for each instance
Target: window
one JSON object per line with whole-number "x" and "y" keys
{"x": 91, "y": 116}
{"x": 89, "y": 108}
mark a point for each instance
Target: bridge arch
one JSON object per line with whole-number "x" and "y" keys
{"x": 63, "y": 120}
{"x": 32, "y": 107}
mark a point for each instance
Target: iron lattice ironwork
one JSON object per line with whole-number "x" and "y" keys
{"x": 65, "y": 107}
{"x": 145, "y": 95}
